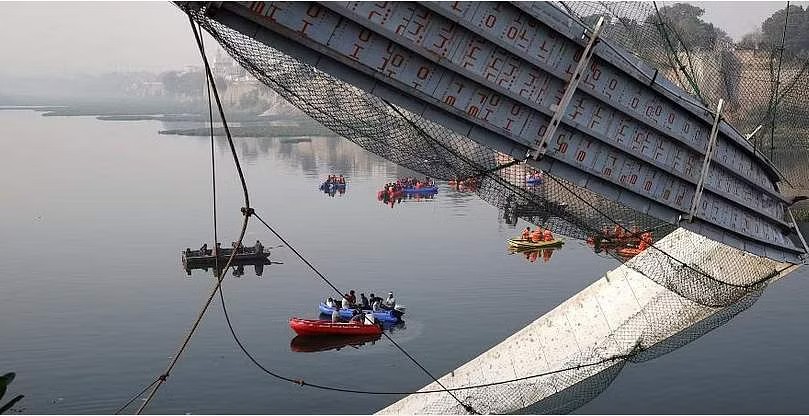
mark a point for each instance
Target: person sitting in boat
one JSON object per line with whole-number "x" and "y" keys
{"x": 537, "y": 235}
{"x": 376, "y": 302}
{"x": 352, "y": 298}
{"x": 330, "y": 302}
{"x": 364, "y": 302}
{"x": 335, "y": 315}
{"x": 526, "y": 234}
{"x": 547, "y": 235}
{"x": 356, "y": 317}
{"x": 346, "y": 304}
{"x": 204, "y": 249}
{"x": 217, "y": 249}
{"x": 258, "y": 247}
{"x": 390, "y": 302}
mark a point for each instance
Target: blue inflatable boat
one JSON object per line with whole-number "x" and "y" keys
{"x": 332, "y": 187}
{"x": 382, "y": 315}
{"x": 421, "y": 191}
{"x": 534, "y": 181}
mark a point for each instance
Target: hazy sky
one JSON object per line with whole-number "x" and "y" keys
{"x": 45, "y": 38}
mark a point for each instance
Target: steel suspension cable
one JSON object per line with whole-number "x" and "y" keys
{"x": 246, "y": 211}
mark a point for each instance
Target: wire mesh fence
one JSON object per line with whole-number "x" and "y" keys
{"x": 761, "y": 85}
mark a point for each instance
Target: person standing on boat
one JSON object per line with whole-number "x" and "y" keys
{"x": 390, "y": 302}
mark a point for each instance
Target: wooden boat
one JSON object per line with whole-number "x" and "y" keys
{"x": 323, "y": 327}
{"x": 204, "y": 257}
{"x": 519, "y": 243}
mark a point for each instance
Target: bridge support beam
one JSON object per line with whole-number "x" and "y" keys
{"x": 572, "y": 85}
{"x": 706, "y": 163}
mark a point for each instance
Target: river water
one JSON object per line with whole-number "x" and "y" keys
{"x": 94, "y": 300}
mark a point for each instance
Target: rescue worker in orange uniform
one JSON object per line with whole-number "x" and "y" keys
{"x": 547, "y": 235}
{"x": 526, "y": 234}
{"x": 537, "y": 235}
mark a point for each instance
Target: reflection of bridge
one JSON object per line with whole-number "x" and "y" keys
{"x": 526, "y": 79}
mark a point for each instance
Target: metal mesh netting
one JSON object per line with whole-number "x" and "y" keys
{"x": 761, "y": 86}
{"x": 417, "y": 144}
{"x": 666, "y": 321}
{"x": 701, "y": 287}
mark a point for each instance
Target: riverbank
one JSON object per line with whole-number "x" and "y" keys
{"x": 303, "y": 128}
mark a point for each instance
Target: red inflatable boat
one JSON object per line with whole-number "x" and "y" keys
{"x": 321, "y": 327}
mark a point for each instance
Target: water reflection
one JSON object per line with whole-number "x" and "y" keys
{"x": 533, "y": 255}
{"x": 237, "y": 267}
{"x": 314, "y": 343}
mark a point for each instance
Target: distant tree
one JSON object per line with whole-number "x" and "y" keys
{"x": 797, "y": 37}
{"x": 687, "y": 21}
{"x": 752, "y": 40}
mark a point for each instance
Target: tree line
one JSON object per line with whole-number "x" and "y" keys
{"x": 685, "y": 29}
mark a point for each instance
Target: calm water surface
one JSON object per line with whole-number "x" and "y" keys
{"x": 94, "y": 300}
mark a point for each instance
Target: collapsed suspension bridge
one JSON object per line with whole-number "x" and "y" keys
{"x": 624, "y": 132}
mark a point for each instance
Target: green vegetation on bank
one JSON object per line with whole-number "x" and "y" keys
{"x": 264, "y": 130}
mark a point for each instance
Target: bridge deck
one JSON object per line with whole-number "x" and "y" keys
{"x": 495, "y": 73}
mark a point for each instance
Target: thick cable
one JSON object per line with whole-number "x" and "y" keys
{"x": 246, "y": 211}
{"x": 135, "y": 397}
{"x": 213, "y": 171}
{"x": 778, "y": 83}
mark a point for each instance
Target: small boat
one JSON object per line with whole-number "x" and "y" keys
{"x": 331, "y": 186}
{"x": 519, "y": 243}
{"x": 425, "y": 190}
{"x": 324, "y": 327}
{"x": 534, "y": 181}
{"x": 316, "y": 343}
{"x": 204, "y": 257}
{"x": 383, "y": 315}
